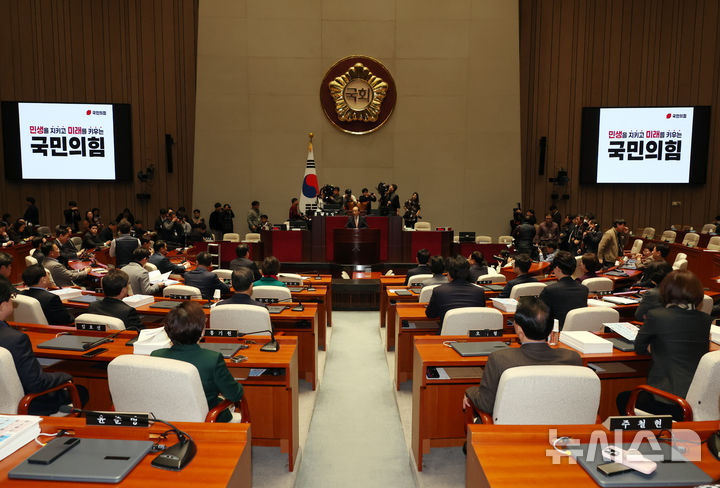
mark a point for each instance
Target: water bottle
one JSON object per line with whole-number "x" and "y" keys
{"x": 555, "y": 334}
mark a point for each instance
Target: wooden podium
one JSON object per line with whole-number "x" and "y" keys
{"x": 356, "y": 246}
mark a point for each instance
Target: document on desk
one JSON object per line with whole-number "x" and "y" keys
{"x": 16, "y": 431}
{"x": 156, "y": 277}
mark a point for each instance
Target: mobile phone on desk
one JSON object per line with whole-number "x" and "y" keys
{"x": 94, "y": 352}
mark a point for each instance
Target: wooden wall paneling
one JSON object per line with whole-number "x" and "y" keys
{"x": 615, "y": 53}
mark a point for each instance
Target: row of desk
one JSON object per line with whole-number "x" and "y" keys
{"x": 272, "y": 399}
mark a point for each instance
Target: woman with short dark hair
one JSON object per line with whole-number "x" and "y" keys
{"x": 184, "y": 326}
{"x": 676, "y": 336}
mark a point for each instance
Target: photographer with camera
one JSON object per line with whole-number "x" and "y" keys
{"x": 389, "y": 201}
{"x": 365, "y": 201}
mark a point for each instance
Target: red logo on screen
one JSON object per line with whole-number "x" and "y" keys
{"x": 668, "y": 116}
{"x": 89, "y": 112}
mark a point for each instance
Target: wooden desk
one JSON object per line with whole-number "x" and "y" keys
{"x": 705, "y": 264}
{"x": 438, "y": 242}
{"x": 415, "y": 312}
{"x": 289, "y": 246}
{"x": 326, "y": 281}
{"x": 303, "y": 325}
{"x": 223, "y": 455}
{"x": 386, "y": 281}
{"x": 535, "y": 270}
{"x": 438, "y": 419}
{"x": 318, "y": 297}
{"x": 495, "y": 452}
{"x": 273, "y": 400}
{"x": 18, "y": 253}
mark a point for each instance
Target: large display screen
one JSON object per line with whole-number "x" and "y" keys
{"x": 644, "y": 145}
{"x": 67, "y": 141}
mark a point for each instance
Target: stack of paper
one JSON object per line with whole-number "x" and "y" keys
{"x": 156, "y": 277}
{"x": 620, "y": 300}
{"x": 625, "y": 329}
{"x": 67, "y": 293}
{"x": 136, "y": 301}
{"x": 598, "y": 303}
{"x": 715, "y": 333}
{"x": 508, "y": 305}
{"x": 585, "y": 342}
{"x": 16, "y": 431}
{"x": 151, "y": 339}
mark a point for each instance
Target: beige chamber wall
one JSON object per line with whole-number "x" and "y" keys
{"x": 454, "y": 136}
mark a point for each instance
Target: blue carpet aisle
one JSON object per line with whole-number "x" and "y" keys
{"x": 355, "y": 436}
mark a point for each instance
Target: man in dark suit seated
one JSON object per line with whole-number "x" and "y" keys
{"x": 422, "y": 257}
{"x": 521, "y": 267}
{"x": 204, "y": 279}
{"x": 115, "y": 287}
{"x": 356, "y": 221}
{"x": 31, "y": 374}
{"x": 532, "y": 326}
{"x": 185, "y": 326}
{"x": 68, "y": 250}
{"x": 655, "y": 272}
{"x": 36, "y": 277}
{"x": 92, "y": 239}
{"x": 243, "y": 262}
{"x": 242, "y": 282}
{"x": 458, "y": 293}
{"x": 5, "y": 264}
{"x": 567, "y": 294}
{"x": 162, "y": 262}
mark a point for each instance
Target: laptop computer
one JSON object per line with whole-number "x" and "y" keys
{"x": 91, "y": 460}
{"x": 227, "y": 350}
{"x": 469, "y": 349}
{"x": 467, "y": 237}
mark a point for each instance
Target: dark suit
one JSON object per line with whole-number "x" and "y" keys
{"x": 92, "y": 241}
{"x": 113, "y": 307}
{"x": 238, "y": 263}
{"x": 650, "y": 299}
{"x": 52, "y": 307}
{"x": 523, "y": 278}
{"x": 563, "y": 296}
{"x": 32, "y": 377}
{"x": 679, "y": 338}
{"x": 206, "y": 281}
{"x": 524, "y": 235}
{"x": 361, "y": 224}
{"x": 164, "y": 264}
{"x": 530, "y": 354}
{"x": 419, "y": 269}
{"x": 456, "y": 294}
{"x": 240, "y": 299}
{"x": 477, "y": 271}
{"x": 214, "y": 374}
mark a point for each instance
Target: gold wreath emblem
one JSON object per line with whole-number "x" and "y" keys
{"x": 358, "y": 94}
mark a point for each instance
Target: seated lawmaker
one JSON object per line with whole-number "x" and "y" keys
{"x": 457, "y": 293}
{"x": 162, "y": 262}
{"x": 478, "y": 265}
{"x": 676, "y": 336}
{"x": 270, "y": 268}
{"x": 37, "y": 279}
{"x": 356, "y": 221}
{"x": 422, "y": 257}
{"x": 115, "y": 287}
{"x": 437, "y": 268}
{"x": 138, "y": 276}
{"x": 32, "y": 376}
{"x": 185, "y": 326}
{"x": 566, "y": 294}
{"x": 92, "y": 239}
{"x": 5, "y": 265}
{"x": 521, "y": 266}
{"x": 60, "y": 274}
{"x": 658, "y": 252}
{"x": 204, "y": 279}
{"x": 242, "y": 282}
{"x": 242, "y": 261}
{"x": 533, "y": 326}
{"x": 589, "y": 266}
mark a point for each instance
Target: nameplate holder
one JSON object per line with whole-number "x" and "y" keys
{"x": 95, "y": 327}
{"x": 644, "y": 422}
{"x": 292, "y": 283}
{"x": 179, "y": 297}
{"x": 221, "y": 333}
{"x": 484, "y": 282}
{"x": 485, "y": 333}
{"x": 268, "y": 300}
{"x": 117, "y": 419}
